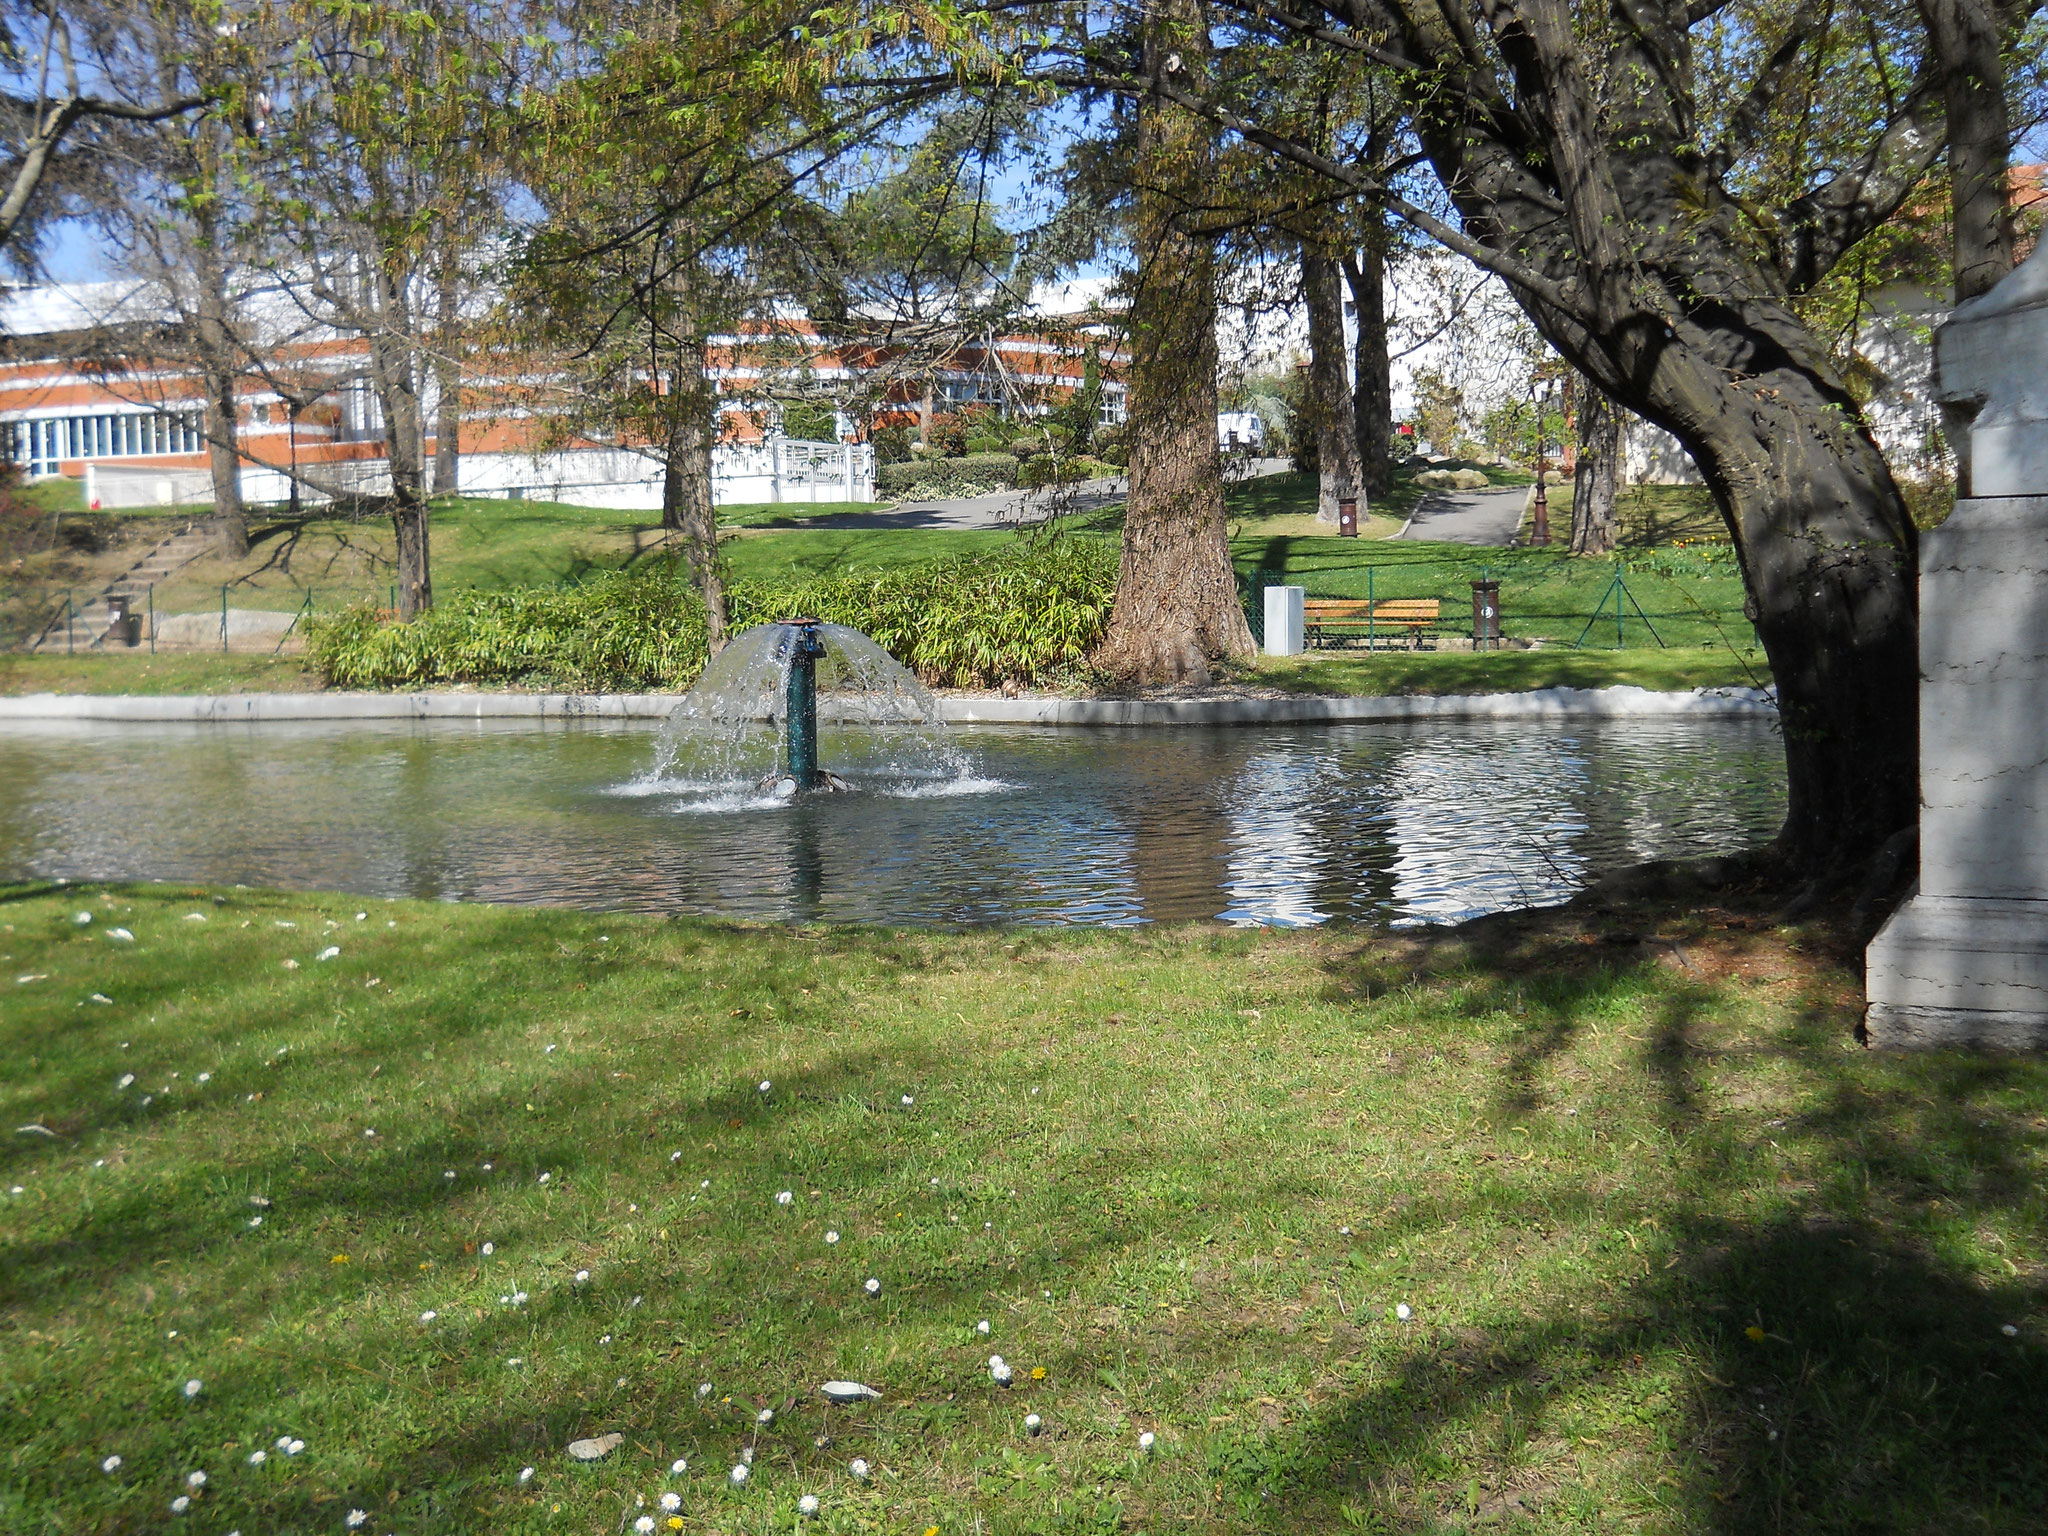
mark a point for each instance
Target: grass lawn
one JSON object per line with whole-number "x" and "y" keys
{"x": 1440, "y": 672}
{"x": 125, "y": 671}
{"x": 1559, "y": 1224}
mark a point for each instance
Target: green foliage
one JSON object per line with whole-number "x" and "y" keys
{"x": 965, "y": 475}
{"x": 891, "y": 445}
{"x": 810, "y": 423}
{"x": 1028, "y": 614}
{"x": 633, "y": 629}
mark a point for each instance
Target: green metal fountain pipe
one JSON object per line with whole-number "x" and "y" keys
{"x": 801, "y": 736}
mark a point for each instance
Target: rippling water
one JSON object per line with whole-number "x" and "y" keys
{"x": 1297, "y": 825}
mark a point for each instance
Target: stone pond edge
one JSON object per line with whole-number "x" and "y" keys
{"x": 1616, "y": 703}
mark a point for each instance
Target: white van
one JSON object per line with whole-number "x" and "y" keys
{"x": 1240, "y": 432}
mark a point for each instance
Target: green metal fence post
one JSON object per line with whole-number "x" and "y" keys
{"x": 152, "y": 618}
{"x": 70, "y": 620}
{"x": 1370, "y": 621}
{"x": 223, "y": 618}
{"x": 1619, "y": 588}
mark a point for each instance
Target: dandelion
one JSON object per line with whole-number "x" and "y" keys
{"x": 195, "y": 1480}
{"x": 644, "y": 1525}
{"x": 1146, "y": 1441}
{"x": 525, "y": 1476}
{"x": 859, "y": 1469}
{"x": 738, "y": 1475}
{"x": 1038, "y": 1373}
{"x": 180, "y": 1504}
{"x": 111, "y": 1465}
{"x": 329, "y": 953}
{"x": 703, "y": 1390}
{"x": 765, "y": 1417}
{"x": 831, "y": 1238}
{"x": 784, "y": 1198}
{"x": 671, "y": 1502}
{"x": 1033, "y": 1423}
{"x": 257, "y": 1458}
{"x": 1754, "y": 1334}
{"x": 489, "y": 1249}
{"x": 873, "y": 1287}
{"x": 807, "y": 1506}
{"x": 429, "y": 1315}
{"x": 193, "y": 1388}
{"x": 1403, "y": 1312}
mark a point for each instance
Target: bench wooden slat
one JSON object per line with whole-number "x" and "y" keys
{"x": 1392, "y": 614}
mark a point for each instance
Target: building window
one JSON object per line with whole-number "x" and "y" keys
{"x": 1114, "y": 406}
{"x": 41, "y": 444}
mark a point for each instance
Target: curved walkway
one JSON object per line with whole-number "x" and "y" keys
{"x": 1469, "y": 517}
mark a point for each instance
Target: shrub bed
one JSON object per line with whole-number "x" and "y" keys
{"x": 1027, "y": 615}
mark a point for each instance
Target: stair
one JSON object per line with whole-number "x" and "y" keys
{"x": 88, "y": 627}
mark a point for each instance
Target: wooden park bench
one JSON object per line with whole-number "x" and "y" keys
{"x": 1400, "y": 619}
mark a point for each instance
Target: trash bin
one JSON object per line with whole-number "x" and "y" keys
{"x": 1485, "y": 615}
{"x": 131, "y": 629}
{"x": 1347, "y": 517}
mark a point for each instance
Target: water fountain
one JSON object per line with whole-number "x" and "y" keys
{"x": 752, "y": 723}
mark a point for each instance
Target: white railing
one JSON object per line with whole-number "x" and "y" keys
{"x": 136, "y": 485}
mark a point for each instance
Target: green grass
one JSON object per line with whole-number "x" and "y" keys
{"x": 138, "y": 671}
{"x": 801, "y": 553}
{"x": 1680, "y": 1256}
{"x": 1342, "y": 673}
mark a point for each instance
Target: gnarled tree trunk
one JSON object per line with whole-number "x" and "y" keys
{"x": 1339, "y": 476}
{"x": 394, "y": 376}
{"x": 1176, "y": 601}
{"x": 448, "y": 377}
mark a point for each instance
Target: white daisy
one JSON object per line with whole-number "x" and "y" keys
{"x": 831, "y": 1237}
{"x": 489, "y": 1249}
{"x": 1402, "y": 1312}
{"x": 284, "y": 1442}
{"x": 449, "y": 1174}
{"x": 678, "y": 1467}
{"x": 982, "y": 1328}
{"x": 127, "y": 1080}
{"x": 873, "y": 1287}
{"x": 525, "y": 1475}
{"x": 545, "y": 1177}
{"x": 1146, "y": 1442}
{"x": 766, "y": 1086}
{"x": 703, "y": 1390}
{"x": 675, "y": 1157}
{"x": 908, "y": 1101}
{"x": 294, "y": 1447}
{"x": 329, "y": 953}
{"x": 195, "y": 1480}
{"x": 356, "y": 1520}
{"x": 429, "y": 1315}
{"x": 644, "y": 1524}
{"x": 111, "y": 1465}
{"x": 1033, "y": 1423}
{"x": 765, "y": 1417}
{"x": 738, "y": 1475}
{"x": 180, "y": 1504}
{"x": 785, "y": 1197}
{"x": 193, "y": 1388}
{"x": 807, "y": 1506}
{"x": 859, "y": 1469}
{"x": 671, "y": 1502}
{"x": 257, "y": 1458}
{"x": 583, "y": 1277}
{"x": 84, "y": 919}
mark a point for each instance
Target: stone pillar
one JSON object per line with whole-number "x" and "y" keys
{"x": 1965, "y": 960}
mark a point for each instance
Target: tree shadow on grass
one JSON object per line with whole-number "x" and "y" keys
{"x": 1847, "y": 1356}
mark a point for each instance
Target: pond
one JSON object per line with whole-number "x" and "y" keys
{"x": 1399, "y": 823}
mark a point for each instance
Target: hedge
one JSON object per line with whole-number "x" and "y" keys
{"x": 1028, "y": 615}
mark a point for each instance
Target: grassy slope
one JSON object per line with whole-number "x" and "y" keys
{"x": 1443, "y": 672}
{"x": 1680, "y": 1257}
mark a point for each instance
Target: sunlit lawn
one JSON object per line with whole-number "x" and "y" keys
{"x": 1675, "y": 1253}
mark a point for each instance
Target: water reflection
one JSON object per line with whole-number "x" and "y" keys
{"x": 1283, "y": 826}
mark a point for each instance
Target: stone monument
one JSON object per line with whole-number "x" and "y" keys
{"x": 1965, "y": 960}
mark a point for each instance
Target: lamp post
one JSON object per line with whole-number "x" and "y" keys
{"x": 1539, "y": 525}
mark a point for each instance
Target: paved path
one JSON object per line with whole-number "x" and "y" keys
{"x": 1003, "y": 509}
{"x": 1469, "y": 517}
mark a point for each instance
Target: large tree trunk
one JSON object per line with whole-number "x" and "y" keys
{"x": 687, "y": 513}
{"x": 394, "y": 376}
{"x": 219, "y": 373}
{"x": 1596, "y": 477}
{"x": 1372, "y": 390}
{"x": 1338, "y": 473}
{"x": 448, "y": 379}
{"x": 1827, "y": 552}
{"x": 1176, "y": 601}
